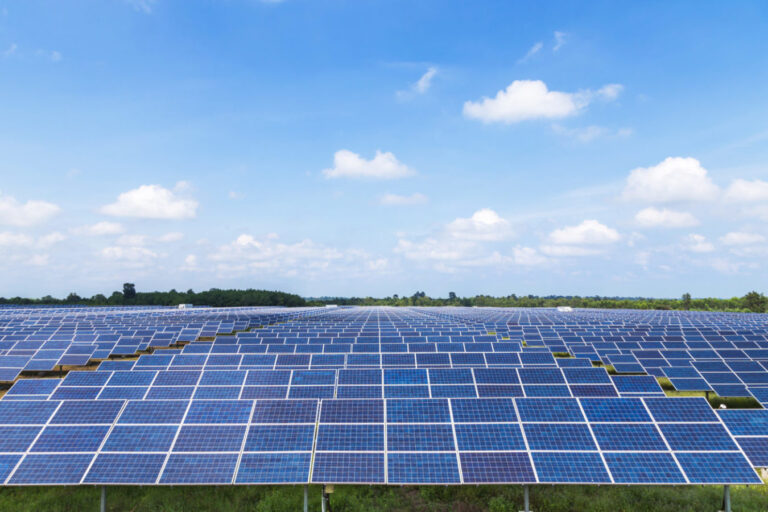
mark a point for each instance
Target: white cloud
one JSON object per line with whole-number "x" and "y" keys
{"x": 530, "y": 99}
{"x": 697, "y": 243}
{"x": 50, "y": 239}
{"x": 14, "y": 213}
{"x": 567, "y": 250}
{"x": 134, "y": 240}
{"x": 536, "y": 48}
{"x": 170, "y": 237}
{"x": 527, "y": 256}
{"x": 674, "y": 179}
{"x": 741, "y": 238}
{"x": 129, "y": 254}
{"x": 484, "y": 225}
{"x": 590, "y": 133}
{"x": 100, "y": 229}
{"x": 385, "y": 166}
{"x": 402, "y": 200}
{"x": 152, "y": 202}
{"x": 747, "y": 191}
{"x": 268, "y": 256}
{"x": 8, "y": 239}
{"x": 559, "y": 40}
{"x": 425, "y": 82}
{"x": 589, "y": 232}
{"x": 653, "y": 217}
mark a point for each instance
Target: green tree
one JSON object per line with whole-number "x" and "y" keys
{"x": 73, "y": 298}
{"x": 686, "y": 302}
{"x": 129, "y": 291}
{"x": 755, "y": 302}
{"x": 451, "y": 296}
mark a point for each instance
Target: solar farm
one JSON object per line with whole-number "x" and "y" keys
{"x": 380, "y": 396}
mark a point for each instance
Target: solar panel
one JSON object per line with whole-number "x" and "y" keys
{"x": 423, "y": 468}
{"x": 501, "y": 467}
{"x": 643, "y": 468}
{"x": 573, "y": 467}
{"x": 348, "y": 467}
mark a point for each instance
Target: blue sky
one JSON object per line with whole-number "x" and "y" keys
{"x": 380, "y": 147}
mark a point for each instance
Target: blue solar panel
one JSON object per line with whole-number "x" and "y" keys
{"x": 17, "y": 439}
{"x": 122, "y": 468}
{"x": 570, "y": 467}
{"x": 51, "y": 469}
{"x": 489, "y": 437}
{"x": 210, "y": 438}
{"x": 717, "y": 468}
{"x": 418, "y": 411}
{"x": 496, "y": 376}
{"x": 680, "y": 409}
{"x": 87, "y": 412}
{"x": 644, "y": 468}
{"x": 549, "y": 409}
{"x": 350, "y": 438}
{"x": 541, "y": 376}
{"x": 438, "y": 437}
{"x": 140, "y": 438}
{"x": 348, "y": 467}
{"x": 508, "y": 467}
{"x": 199, "y": 468}
{"x": 278, "y": 411}
{"x": 7, "y": 463}
{"x": 220, "y": 411}
{"x": 33, "y": 387}
{"x": 273, "y": 468}
{"x": 422, "y": 468}
{"x": 756, "y": 450}
{"x": 278, "y": 438}
{"x": 559, "y": 436}
{"x": 697, "y": 436}
{"x": 153, "y": 411}
{"x": 637, "y": 384}
{"x": 352, "y": 411}
{"x": 26, "y": 412}
{"x": 628, "y": 437}
{"x": 70, "y": 439}
{"x": 586, "y": 375}
{"x": 746, "y": 422}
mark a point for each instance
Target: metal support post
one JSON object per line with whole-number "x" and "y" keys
{"x": 103, "y": 499}
{"x": 526, "y": 499}
{"x": 306, "y": 498}
{"x": 727, "y": 498}
{"x": 322, "y": 500}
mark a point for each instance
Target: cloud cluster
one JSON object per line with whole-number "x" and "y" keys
{"x": 30, "y": 213}
{"x": 524, "y": 100}
{"x": 153, "y": 202}
{"x": 383, "y": 166}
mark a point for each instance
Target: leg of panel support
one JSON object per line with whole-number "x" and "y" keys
{"x": 526, "y": 499}
{"x": 306, "y": 498}
{"x": 103, "y": 499}
{"x": 322, "y": 500}
{"x": 727, "y": 498}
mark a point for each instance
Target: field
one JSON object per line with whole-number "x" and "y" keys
{"x": 378, "y": 498}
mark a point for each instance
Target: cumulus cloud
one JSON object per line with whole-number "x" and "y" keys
{"x": 153, "y": 202}
{"x": 697, "y": 243}
{"x": 50, "y": 239}
{"x": 8, "y": 239}
{"x": 129, "y": 254}
{"x": 654, "y": 217}
{"x": 384, "y": 166}
{"x": 403, "y": 200}
{"x": 674, "y": 179}
{"x": 742, "y": 238}
{"x": 269, "y": 256}
{"x": 747, "y": 191}
{"x": 568, "y": 250}
{"x": 15, "y": 213}
{"x": 589, "y": 232}
{"x": 170, "y": 237}
{"x": 100, "y": 229}
{"x": 483, "y": 225}
{"x": 531, "y": 99}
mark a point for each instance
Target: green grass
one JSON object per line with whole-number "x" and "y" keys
{"x": 492, "y": 498}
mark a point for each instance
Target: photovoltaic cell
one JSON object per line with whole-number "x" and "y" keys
{"x": 273, "y": 468}
{"x": 489, "y": 437}
{"x": 185, "y": 468}
{"x": 51, "y": 469}
{"x": 422, "y": 468}
{"x": 153, "y": 411}
{"x": 502, "y": 467}
{"x": 697, "y": 436}
{"x": 418, "y": 411}
{"x": 680, "y": 409}
{"x": 746, "y": 422}
{"x": 644, "y": 468}
{"x": 219, "y": 411}
{"x": 549, "y": 410}
{"x": 352, "y": 438}
{"x": 570, "y": 467}
{"x": 140, "y": 438}
{"x": 715, "y": 468}
{"x": 209, "y": 438}
{"x": 438, "y": 437}
{"x": 348, "y": 467}
{"x": 70, "y": 438}
{"x": 122, "y": 468}
{"x": 352, "y": 411}
{"x": 559, "y": 436}
{"x": 281, "y": 411}
{"x": 628, "y": 437}
{"x": 280, "y": 438}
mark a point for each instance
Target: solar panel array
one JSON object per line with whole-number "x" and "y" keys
{"x": 377, "y": 396}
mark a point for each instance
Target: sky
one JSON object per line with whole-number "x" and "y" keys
{"x": 339, "y": 148}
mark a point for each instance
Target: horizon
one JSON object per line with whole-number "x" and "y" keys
{"x": 350, "y": 149}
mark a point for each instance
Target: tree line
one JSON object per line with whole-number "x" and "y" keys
{"x": 751, "y": 302}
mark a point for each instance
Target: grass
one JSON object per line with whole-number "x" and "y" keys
{"x": 348, "y": 498}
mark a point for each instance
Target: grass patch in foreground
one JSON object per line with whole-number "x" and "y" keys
{"x": 349, "y": 498}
